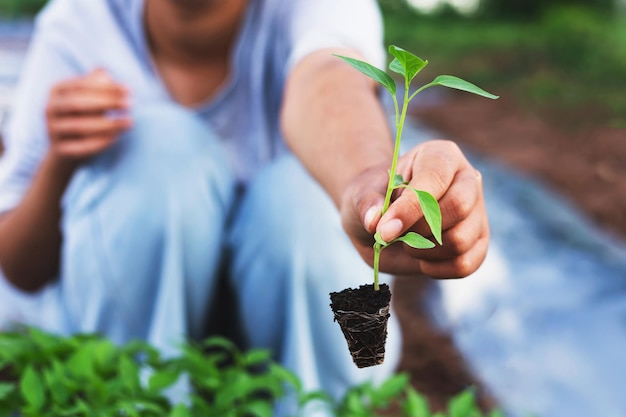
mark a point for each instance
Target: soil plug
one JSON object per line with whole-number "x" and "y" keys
{"x": 363, "y": 314}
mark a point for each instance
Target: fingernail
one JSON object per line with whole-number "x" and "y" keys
{"x": 391, "y": 229}
{"x": 370, "y": 215}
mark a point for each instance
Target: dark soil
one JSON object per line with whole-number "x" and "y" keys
{"x": 566, "y": 150}
{"x": 363, "y": 314}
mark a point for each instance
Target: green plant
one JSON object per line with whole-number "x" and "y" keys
{"x": 397, "y": 397}
{"x": 83, "y": 375}
{"x": 86, "y": 375}
{"x": 408, "y": 66}
{"x": 20, "y": 8}
{"x": 44, "y": 375}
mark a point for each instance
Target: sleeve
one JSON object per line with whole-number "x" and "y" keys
{"x": 353, "y": 24}
{"x": 25, "y": 136}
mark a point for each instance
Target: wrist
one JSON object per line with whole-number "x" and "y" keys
{"x": 59, "y": 167}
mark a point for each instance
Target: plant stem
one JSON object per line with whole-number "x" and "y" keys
{"x": 377, "y": 250}
{"x": 392, "y": 173}
{"x": 396, "y": 149}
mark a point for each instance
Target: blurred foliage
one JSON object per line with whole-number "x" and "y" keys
{"x": 533, "y": 9}
{"x": 19, "y": 8}
{"x": 567, "y": 59}
{"x": 557, "y": 53}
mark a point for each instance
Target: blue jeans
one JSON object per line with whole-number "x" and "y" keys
{"x": 152, "y": 224}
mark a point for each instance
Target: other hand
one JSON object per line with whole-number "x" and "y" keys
{"x": 79, "y": 116}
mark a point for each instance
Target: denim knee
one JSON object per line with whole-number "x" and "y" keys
{"x": 143, "y": 226}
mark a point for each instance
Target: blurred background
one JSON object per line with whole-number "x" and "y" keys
{"x": 552, "y": 151}
{"x": 561, "y": 54}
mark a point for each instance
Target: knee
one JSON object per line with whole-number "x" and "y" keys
{"x": 168, "y": 136}
{"x": 298, "y": 232}
{"x": 287, "y": 208}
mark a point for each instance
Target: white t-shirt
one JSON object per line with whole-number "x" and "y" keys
{"x": 73, "y": 37}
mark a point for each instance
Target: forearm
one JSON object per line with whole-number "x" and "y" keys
{"x": 333, "y": 121}
{"x": 30, "y": 235}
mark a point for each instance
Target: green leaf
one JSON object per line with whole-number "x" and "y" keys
{"x": 315, "y": 396}
{"x": 180, "y": 410}
{"x": 103, "y": 354}
{"x": 496, "y": 413}
{"x": 217, "y": 343}
{"x": 415, "y": 404}
{"x": 32, "y": 389}
{"x": 374, "y": 73}
{"x": 43, "y": 341}
{"x": 405, "y": 63}
{"x": 463, "y": 404}
{"x": 162, "y": 379}
{"x": 56, "y": 384}
{"x": 398, "y": 181}
{"x": 129, "y": 374}
{"x": 451, "y": 81}
{"x": 390, "y": 389}
{"x": 79, "y": 409}
{"x": 256, "y": 357}
{"x": 285, "y": 375}
{"x": 13, "y": 348}
{"x": 378, "y": 238}
{"x": 432, "y": 212}
{"x": 6, "y": 390}
{"x": 128, "y": 409}
{"x": 415, "y": 240}
{"x": 81, "y": 363}
{"x": 354, "y": 404}
{"x": 259, "y": 408}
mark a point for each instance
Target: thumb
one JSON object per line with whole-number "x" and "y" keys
{"x": 362, "y": 208}
{"x": 371, "y": 215}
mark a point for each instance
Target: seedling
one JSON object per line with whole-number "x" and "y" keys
{"x": 408, "y": 65}
{"x": 363, "y": 313}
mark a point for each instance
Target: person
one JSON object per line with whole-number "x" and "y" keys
{"x": 155, "y": 144}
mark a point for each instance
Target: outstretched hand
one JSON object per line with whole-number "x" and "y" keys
{"x": 440, "y": 168}
{"x": 78, "y": 115}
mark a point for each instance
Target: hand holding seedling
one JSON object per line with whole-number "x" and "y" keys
{"x": 431, "y": 194}
{"x": 440, "y": 168}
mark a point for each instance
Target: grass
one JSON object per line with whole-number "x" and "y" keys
{"x": 569, "y": 61}
{"x": 20, "y": 8}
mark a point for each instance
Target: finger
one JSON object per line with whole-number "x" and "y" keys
{"x": 88, "y": 83}
{"x": 81, "y": 149}
{"x": 434, "y": 167}
{"x": 84, "y": 127}
{"x": 87, "y": 102}
{"x": 463, "y": 198}
{"x": 362, "y": 205}
{"x": 457, "y": 240}
{"x": 459, "y": 267}
{"x": 95, "y": 84}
